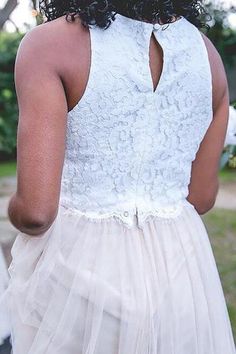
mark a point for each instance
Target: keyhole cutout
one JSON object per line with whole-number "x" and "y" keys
{"x": 156, "y": 61}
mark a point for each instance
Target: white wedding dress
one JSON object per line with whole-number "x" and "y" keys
{"x": 127, "y": 266}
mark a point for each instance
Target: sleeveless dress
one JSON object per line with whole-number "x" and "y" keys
{"x": 127, "y": 266}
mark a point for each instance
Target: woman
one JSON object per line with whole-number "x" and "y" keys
{"x": 121, "y": 128}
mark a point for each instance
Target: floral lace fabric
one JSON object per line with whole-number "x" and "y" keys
{"x": 129, "y": 149}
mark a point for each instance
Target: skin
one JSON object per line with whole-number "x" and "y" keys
{"x": 51, "y": 73}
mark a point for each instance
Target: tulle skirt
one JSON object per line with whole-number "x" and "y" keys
{"x": 98, "y": 287}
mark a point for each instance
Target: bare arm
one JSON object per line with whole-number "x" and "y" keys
{"x": 40, "y": 136}
{"x": 204, "y": 183}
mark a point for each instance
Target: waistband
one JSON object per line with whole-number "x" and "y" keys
{"x": 130, "y": 215}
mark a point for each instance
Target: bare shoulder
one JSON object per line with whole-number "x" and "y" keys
{"x": 50, "y": 41}
{"x": 219, "y": 78}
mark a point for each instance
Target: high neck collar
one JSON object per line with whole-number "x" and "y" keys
{"x": 153, "y": 25}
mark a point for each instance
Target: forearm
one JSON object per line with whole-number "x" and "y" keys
{"x": 24, "y": 221}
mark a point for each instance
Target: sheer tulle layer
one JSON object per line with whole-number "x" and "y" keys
{"x": 87, "y": 287}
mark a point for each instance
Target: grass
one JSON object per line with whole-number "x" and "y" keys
{"x": 7, "y": 169}
{"x": 221, "y": 226}
{"x": 227, "y": 175}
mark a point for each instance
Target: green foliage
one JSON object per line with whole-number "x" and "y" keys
{"x": 227, "y": 175}
{"x": 7, "y": 169}
{"x": 221, "y": 34}
{"x": 9, "y": 43}
{"x": 228, "y": 157}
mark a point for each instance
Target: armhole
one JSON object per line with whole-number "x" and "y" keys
{"x": 89, "y": 84}
{"x": 208, "y": 68}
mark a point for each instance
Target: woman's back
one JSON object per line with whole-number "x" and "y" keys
{"x": 129, "y": 147}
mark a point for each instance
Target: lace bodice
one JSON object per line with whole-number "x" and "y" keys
{"x": 129, "y": 150}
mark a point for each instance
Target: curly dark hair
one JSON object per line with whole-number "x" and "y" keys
{"x": 102, "y": 12}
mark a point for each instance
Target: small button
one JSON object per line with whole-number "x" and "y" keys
{"x": 156, "y": 26}
{"x": 126, "y": 213}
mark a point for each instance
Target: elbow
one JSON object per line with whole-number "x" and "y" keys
{"x": 202, "y": 207}
{"x": 203, "y": 203}
{"x": 29, "y": 221}
{"x": 33, "y": 225}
